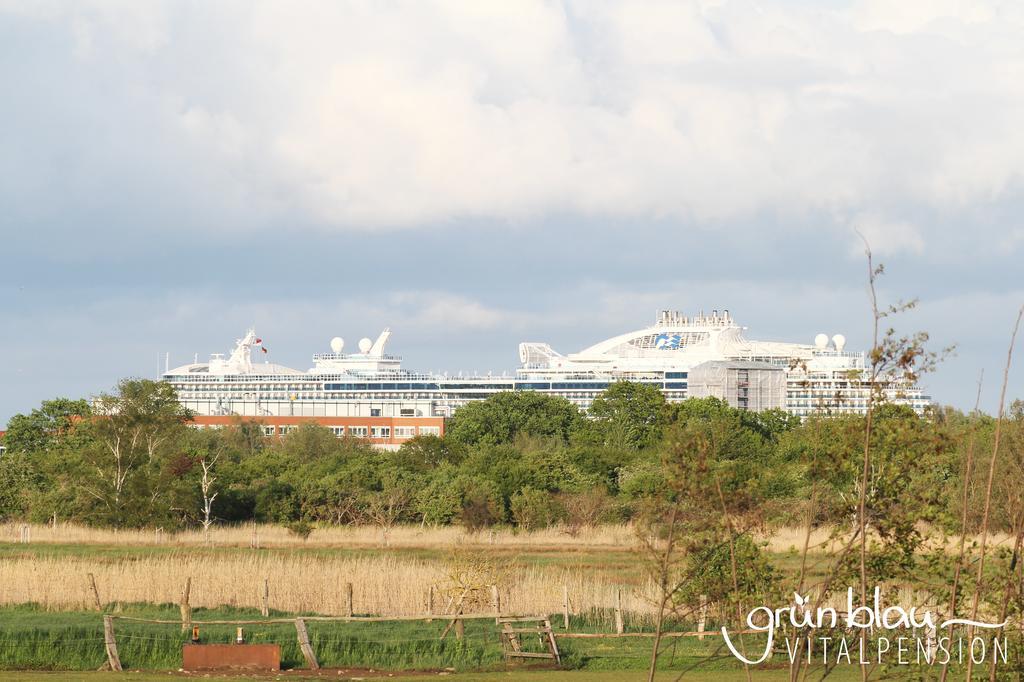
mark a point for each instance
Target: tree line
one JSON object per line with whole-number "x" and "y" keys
{"x": 131, "y": 459}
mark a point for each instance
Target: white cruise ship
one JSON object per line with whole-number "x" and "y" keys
{"x": 702, "y": 355}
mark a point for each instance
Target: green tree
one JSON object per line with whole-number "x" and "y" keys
{"x": 642, "y": 479}
{"x": 712, "y": 577}
{"x": 245, "y": 437}
{"x": 424, "y": 453}
{"x": 44, "y": 426}
{"x": 439, "y": 501}
{"x": 709, "y": 501}
{"x": 387, "y": 506}
{"x": 18, "y": 484}
{"x": 135, "y": 431}
{"x": 503, "y": 416}
{"x": 482, "y": 504}
{"x": 532, "y": 509}
{"x": 310, "y": 442}
{"x": 629, "y": 414}
{"x": 206, "y": 451}
{"x": 771, "y": 424}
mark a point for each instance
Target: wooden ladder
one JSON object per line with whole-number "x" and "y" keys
{"x": 512, "y": 644}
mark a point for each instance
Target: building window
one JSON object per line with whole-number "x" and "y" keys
{"x": 430, "y": 430}
{"x": 338, "y": 431}
{"x": 405, "y": 431}
{"x": 382, "y": 432}
{"x": 269, "y": 430}
{"x": 374, "y": 411}
{"x": 357, "y": 431}
{"x": 407, "y": 412}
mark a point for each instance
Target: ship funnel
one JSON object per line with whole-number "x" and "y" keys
{"x": 377, "y": 349}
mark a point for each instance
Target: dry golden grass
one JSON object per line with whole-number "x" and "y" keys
{"x": 787, "y": 539}
{"x": 605, "y": 537}
{"x": 783, "y": 540}
{"x": 385, "y": 582}
{"x": 602, "y": 537}
{"x": 383, "y": 585}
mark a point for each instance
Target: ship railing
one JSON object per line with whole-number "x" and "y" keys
{"x": 387, "y": 376}
{"x": 353, "y": 356}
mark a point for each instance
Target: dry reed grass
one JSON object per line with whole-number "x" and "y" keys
{"x": 783, "y": 540}
{"x": 383, "y": 585}
{"x": 604, "y": 537}
{"x": 601, "y": 537}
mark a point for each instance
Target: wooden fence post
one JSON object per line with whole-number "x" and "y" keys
{"x": 565, "y": 607}
{"x": 496, "y": 603}
{"x": 348, "y": 599}
{"x": 456, "y": 622}
{"x": 618, "y": 611}
{"x": 430, "y": 603}
{"x": 111, "y": 644}
{"x": 702, "y": 617}
{"x": 265, "y": 609}
{"x": 185, "y": 607}
{"x": 95, "y": 592}
{"x": 254, "y": 540}
{"x": 307, "y": 649}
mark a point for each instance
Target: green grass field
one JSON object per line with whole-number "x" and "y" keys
{"x": 502, "y": 676}
{"x": 36, "y": 644}
{"x": 32, "y": 639}
{"x": 39, "y": 645}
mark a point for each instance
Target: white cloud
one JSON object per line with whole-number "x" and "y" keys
{"x": 368, "y": 115}
{"x": 702, "y": 110}
{"x": 885, "y": 236}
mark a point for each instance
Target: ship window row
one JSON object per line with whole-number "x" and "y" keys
{"x": 384, "y": 396}
{"x": 239, "y": 388}
{"x": 472, "y": 392}
{"x": 304, "y": 389}
{"x": 415, "y": 387}
{"x": 236, "y": 381}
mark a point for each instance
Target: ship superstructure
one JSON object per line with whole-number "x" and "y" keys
{"x": 682, "y": 356}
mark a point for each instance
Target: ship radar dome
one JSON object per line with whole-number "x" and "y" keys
{"x": 821, "y": 341}
{"x": 337, "y": 343}
{"x": 840, "y": 341}
{"x": 365, "y": 345}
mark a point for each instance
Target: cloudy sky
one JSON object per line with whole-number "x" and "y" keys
{"x": 476, "y": 174}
